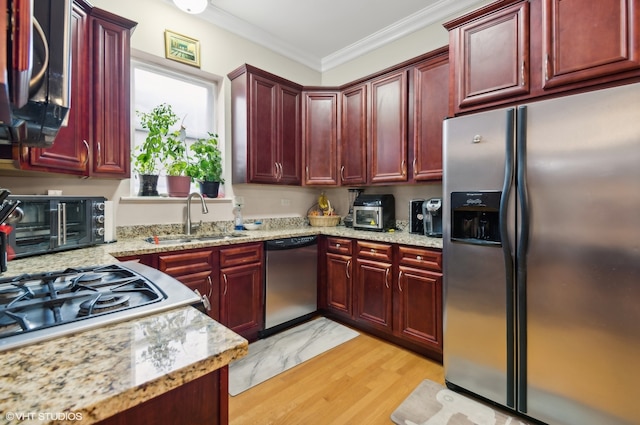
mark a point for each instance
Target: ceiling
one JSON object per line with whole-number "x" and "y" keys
{"x": 323, "y": 34}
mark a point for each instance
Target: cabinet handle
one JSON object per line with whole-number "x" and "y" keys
{"x": 347, "y": 268}
{"x": 226, "y": 283}
{"x": 522, "y": 73}
{"x": 210, "y": 286}
{"x": 400, "y": 280}
{"x": 86, "y": 145}
{"x": 404, "y": 168}
{"x": 281, "y": 171}
{"x": 275, "y": 164}
{"x": 307, "y": 171}
{"x": 546, "y": 68}
{"x": 386, "y": 278}
{"x": 415, "y": 170}
{"x": 342, "y": 173}
{"x": 99, "y": 155}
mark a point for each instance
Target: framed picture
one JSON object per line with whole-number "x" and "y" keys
{"x": 181, "y": 48}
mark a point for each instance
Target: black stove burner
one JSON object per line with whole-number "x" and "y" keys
{"x": 102, "y": 303}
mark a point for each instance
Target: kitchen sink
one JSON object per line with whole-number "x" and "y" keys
{"x": 168, "y": 240}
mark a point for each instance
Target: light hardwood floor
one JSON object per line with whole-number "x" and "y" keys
{"x": 359, "y": 382}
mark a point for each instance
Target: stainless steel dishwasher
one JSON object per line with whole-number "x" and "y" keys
{"x": 291, "y": 288}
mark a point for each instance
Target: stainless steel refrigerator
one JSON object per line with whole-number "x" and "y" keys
{"x": 541, "y": 228}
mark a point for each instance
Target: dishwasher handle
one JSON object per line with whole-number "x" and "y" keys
{"x": 290, "y": 243}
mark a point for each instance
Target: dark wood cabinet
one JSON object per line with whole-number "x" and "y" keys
{"x": 514, "y": 50}
{"x": 241, "y": 289}
{"x": 320, "y": 137}
{"x": 373, "y": 290}
{"x": 583, "y": 40}
{"x": 354, "y": 135}
{"x": 388, "y": 134}
{"x": 96, "y": 141}
{"x": 266, "y": 127}
{"x": 339, "y": 277}
{"x": 418, "y": 307}
{"x": 430, "y": 100}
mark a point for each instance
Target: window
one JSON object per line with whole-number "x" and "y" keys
{"x": 192, "y": 97}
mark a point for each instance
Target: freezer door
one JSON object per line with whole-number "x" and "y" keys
{"x": 583, "y": 262}
{"x": 476, "y": 293}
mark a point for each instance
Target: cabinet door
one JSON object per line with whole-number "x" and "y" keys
{"x": 195, "y": 269}
{"x": 320, "y": 138}
{"x": 492, "y": 56}
{"x": 388, "y": 140}
{"x": 589, "y": 39}
{"x": 339, "y": 295}
{"x": 353, "y": 137}
{"x": 289, "y": 136}
{"x": 419, "y": 313}
{"x": 70, "y": 154}
{"x": 242, "y": 300}
{"x": 263, "y": 118}
{"x": 430, "y": 108}
{"x": 111, "y": 117}
{"x": 374, "y": 294}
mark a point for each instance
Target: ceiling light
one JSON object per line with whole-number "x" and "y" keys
{"x": 191, "y": 6}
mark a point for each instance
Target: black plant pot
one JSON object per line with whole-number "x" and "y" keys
{"x": 148, "y": 185}
{"x": 209, "y": 189}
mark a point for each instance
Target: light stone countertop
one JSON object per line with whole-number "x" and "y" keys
{"x": 100, "y": 372}
{"x": 103, "y": 371}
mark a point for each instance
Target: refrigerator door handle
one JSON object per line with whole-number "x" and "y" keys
{"x": 509, "y": 171}
{"x": 521, "y": 258}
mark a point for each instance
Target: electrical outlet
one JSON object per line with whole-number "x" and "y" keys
{"x": 285, "y": 202}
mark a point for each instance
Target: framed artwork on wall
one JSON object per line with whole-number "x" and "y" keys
{"x": 181, "y": 48}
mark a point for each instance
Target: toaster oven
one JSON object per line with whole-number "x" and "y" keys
{"x": 374, "y": 212}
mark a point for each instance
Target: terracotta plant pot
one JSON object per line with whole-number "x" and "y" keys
{"x": 209, "y": 189}
{"x": 178, "y": 186}
{"x": 148, "y": 185}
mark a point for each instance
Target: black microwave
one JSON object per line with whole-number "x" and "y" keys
{"x": 57, "y": 223}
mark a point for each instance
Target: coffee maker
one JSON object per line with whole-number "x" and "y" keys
{"x": 432, "y": 217}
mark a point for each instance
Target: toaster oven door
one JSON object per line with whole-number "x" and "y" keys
{"x": 367, "y": 218}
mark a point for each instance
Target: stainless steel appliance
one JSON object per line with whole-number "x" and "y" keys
{"x": 57, "y": 223}
{"x": 542, "y": 257}
{"x": 35, "y": 92}
{"x": 291, "y": 289}
{"x": 374, "y": 212}
{"x": 432, "y": 217}
{"x": 43, "y": 306}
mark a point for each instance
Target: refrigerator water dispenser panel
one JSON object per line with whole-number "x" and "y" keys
{"x": 475, "y": 218}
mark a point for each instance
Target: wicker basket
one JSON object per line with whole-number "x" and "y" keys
{"x": 324, "y": 220}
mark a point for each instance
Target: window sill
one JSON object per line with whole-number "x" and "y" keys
{"x": 167, "y": 200}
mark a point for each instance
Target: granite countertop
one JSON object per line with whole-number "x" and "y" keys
{"x": 100, "y": 372}
{"x": 134, "y": 246}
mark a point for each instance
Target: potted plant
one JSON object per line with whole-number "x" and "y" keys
{"x": 147, "y": 157}
{"x": 176, "y": 163}
{"x": 206, "y": 165}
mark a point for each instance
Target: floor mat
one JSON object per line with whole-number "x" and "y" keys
{"x": 273, "y": 355}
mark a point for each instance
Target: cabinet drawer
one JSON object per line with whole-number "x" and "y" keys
{"x": 420, "y": 258}
{"x": 339, "y": 246}
{"x": 374, "y": 251}
{"x": 243, "y": 254}
{"x": 186, "y": 264}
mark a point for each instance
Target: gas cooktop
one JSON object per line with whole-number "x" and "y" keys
{"x": 40, "y": 306}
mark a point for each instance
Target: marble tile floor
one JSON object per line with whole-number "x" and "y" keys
{"x": 273, "y": 355}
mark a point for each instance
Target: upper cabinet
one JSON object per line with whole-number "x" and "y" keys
{"x": 514, "y": 50}
{"x": 266, "y": 127}
{"x": 354, "y": 135}
{"x": 96, "y": 140}
{"x": 320, "y": 136}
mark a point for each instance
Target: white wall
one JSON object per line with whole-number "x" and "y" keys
{"x": 221, "y": 52}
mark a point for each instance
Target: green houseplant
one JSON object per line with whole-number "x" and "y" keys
{"x": 148, "y": 157}
{"x": 206, "y": 165}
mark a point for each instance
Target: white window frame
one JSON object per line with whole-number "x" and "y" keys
{"x": 172, "y": 69}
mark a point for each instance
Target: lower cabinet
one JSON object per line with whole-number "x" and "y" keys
{"x": 393, "y": 291}
{"x": 241, "y": 289}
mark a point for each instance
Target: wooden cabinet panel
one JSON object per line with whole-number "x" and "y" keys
{"x": 242, "y": 300}
{"x": 388, "y": 136}
{"x": 487, "y": 70}
{"x": 263, "y": 145}
{"x": 419, "y": 317}
{"x": 339, "y": 246}
{"x": 374, "y": 251}
{"x": 430, "y": 107}
{"x": 420, "y": 258}
{"x": 373, "y": 294}
{"x": 339, "y": 286}
{"x": 354, "y": 136}
{"x": 583, "y": 40}
{"x": 241, "y": 254}
{"x": 289, "y": 136}
{"x": 320, "y": 137}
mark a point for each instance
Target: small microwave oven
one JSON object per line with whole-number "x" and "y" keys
{"x": 57, "y": 223}
{"x": 374, "y": 212}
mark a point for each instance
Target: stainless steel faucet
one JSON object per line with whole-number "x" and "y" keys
{"x": 205, "y": 210}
